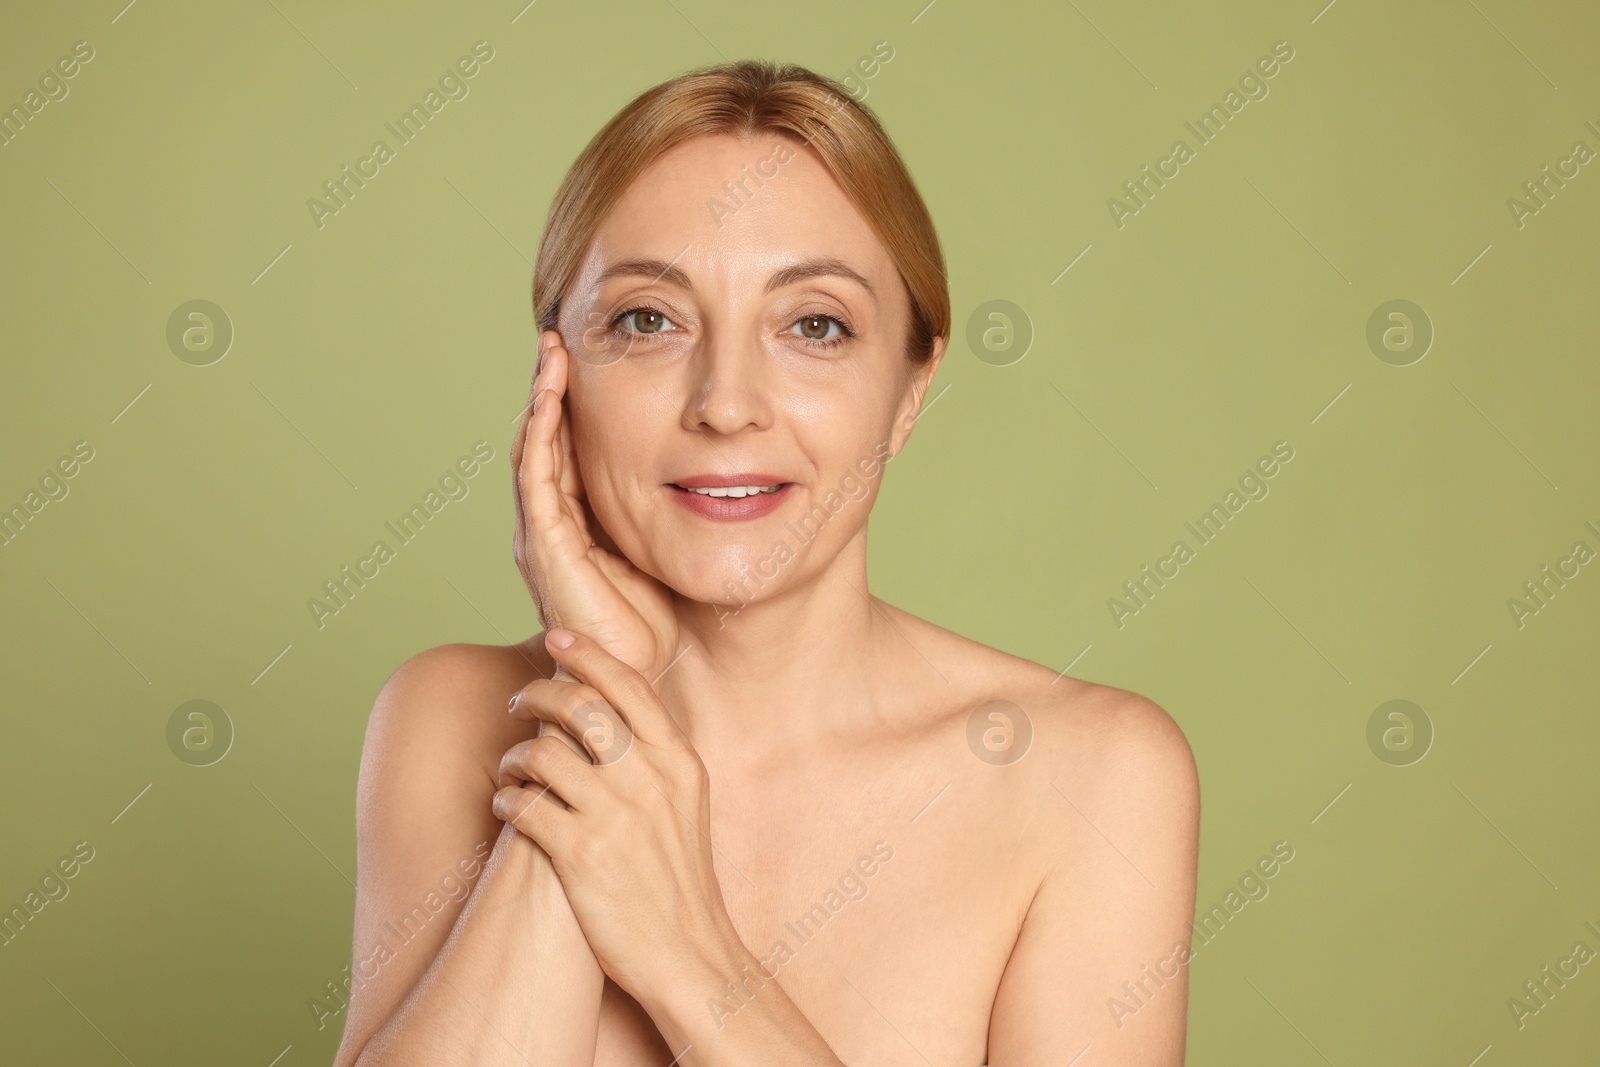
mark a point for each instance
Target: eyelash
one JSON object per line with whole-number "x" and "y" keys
{"x": 846, "y": 333}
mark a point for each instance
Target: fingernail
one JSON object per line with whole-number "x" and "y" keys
{"x": 559, "y": 638}
{"x": 511, "y": 707}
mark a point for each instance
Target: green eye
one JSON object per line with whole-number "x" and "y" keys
{"x": 823, "y": 330}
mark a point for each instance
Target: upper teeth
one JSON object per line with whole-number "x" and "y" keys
{"x": 735, "y": 491}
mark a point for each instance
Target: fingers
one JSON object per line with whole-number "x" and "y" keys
{"x": 536, "y": 814}
{"x": 550, "y": 491}
{"x": 519, "y": 448}
{"x": 551, "y": 533}
{"x": 578, "y": 709}
{"x": 546, "y": 340}
{"x": 546, "y": 762}
{"x": 567, "y": 477}
{"x": 537, "y": 470}
{"x": 622, "y": 687}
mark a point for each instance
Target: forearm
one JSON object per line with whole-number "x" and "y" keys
{"x": 515, "y": 982}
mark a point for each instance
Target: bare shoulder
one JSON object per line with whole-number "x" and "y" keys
{"x": 1101, "y": 739}
{"x": 465, "y": 670}
{"x": 1117, "y": 729}
{"x": 1121, "y": 749}
{"x": 448, "y": 703}
{"x": 1110, "y": 781}
{"x": 1123, "y": 771}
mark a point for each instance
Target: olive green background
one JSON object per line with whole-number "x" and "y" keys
{"x": 1230, "y": 313}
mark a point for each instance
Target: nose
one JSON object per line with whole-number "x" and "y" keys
{"x": 730, "y": 378}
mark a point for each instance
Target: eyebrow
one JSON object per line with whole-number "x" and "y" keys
{"x": 661, "y": 270}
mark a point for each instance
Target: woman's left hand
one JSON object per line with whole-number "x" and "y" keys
{"x": 629, "y": 834}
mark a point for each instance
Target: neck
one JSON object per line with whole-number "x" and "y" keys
{"x": 784, "y": 670}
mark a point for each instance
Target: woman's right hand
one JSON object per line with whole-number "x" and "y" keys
{"x": 576, "y": 576}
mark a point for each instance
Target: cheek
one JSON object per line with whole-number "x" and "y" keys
{"x": 840, "y": 429}
{"x": 619, "y": 430}
{"x": 606, "y": 448}
{"x": 844, "y": 450}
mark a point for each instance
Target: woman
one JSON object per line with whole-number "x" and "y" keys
{"x": 802, "y": 826}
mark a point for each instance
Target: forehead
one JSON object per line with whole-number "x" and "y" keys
{"x": 730, "y": 210}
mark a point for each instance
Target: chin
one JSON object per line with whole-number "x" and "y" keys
{"x": 732, "y": 573}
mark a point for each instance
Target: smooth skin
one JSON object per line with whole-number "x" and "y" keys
{"x": 755, "y": 755}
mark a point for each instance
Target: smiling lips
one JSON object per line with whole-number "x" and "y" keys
{"x": 731, "y": 497}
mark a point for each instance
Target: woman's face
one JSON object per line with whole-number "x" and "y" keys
{"x": 736, "y": 322}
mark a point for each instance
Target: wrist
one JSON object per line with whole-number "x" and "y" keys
{"x": 709, "y": 983}
{"x": 728, "y": 1009}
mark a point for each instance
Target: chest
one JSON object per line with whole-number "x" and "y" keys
{"x": 885, "y": 905}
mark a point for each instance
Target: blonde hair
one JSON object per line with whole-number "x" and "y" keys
{"x": 743, "y": 98}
